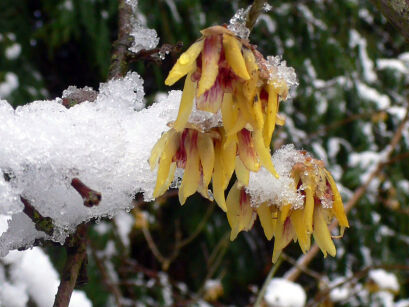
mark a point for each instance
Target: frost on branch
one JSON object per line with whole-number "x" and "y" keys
{"x": 106, "y": 144}
{"x": 144, "y": 38}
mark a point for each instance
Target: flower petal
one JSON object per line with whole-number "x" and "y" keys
{"x": 250, "y": 86}
{"x": 219, "y": 177}
{"x": 266, "y": 220}
{"x": 206, "y": 154}
{"x": 229, "y": 111}
{"x": 309, "y": 208}
{"x": 321, "y": 233}
{"x": 232, "y": 50}
{"x": 263, "y": 152}
{"x": 211, "y": 100}
{"x": 272, "y": 106}
{"x": 191, "y": 176}
{"x": 186, "y": 104}
{"x": 229, "y": 153}
{"x": 284, "y": 233}
{"x": 337, "y": 206}
{"x": 239, "y": 211}
{"x": 169, "y": 180}
{"x": 186, "y": 63}
{"x": 297, "y": 220}
{"x": 210, "y": 67}
{"x": 171, "y": 146}
{"x": 242, "y": 173}
{"x": 247, "y": 151}
{"x": 157, "y": 150}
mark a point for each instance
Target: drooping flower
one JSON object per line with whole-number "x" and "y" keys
{"x": 207, "y": 155}
{"x": 226, "y": 73}
{"x": 192, "y": 150}
{"x": 322, "y": 203}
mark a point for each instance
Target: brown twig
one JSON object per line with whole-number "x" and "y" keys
{"x": 323, "y": 294}
{"x": 154, "y": 54}
{"x": 256, "y": 9}
{"x": 179, "y": 243}
{"x": 76, "y": 256}
{"x": 304, "y": 260}
{"x": 91, "y": 198}
{"x": 397, "y": 13}
{"x": 41, "y": 223}
{"x": 109, "y": 284}
{"x": 119, "y": 64}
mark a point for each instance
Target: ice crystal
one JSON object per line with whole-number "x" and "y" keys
{"x": 279, "y": 71}
{"x": 237, "y": 23}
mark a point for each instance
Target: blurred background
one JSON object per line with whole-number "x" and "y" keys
{"x": 353, "y": 70}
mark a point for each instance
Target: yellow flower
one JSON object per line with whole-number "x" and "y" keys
{"x": 207, "y": 156}
{"x": 322, "y": 202}
{"x": 227, "y": 73}
{"x": 193, "y": 150}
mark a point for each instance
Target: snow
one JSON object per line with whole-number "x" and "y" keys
{"x": 237, "y": 23}
{"x": 269, "y": 22}
{"x": 144, "y": 38}
{"x": 4, "y": 223}
{"x": 367, "y": 64}
{"x": 385, "y": 280}
{"x": 264, "y": 187}
{"x": 392, "y": 64}
{"x": 283, "y": 293}
{"x": 103, "y": 143}
{"x": 212, "y": 283}
{"x": 124, "y": 222}
{"x": 371, "y": 94}
{"x": 8, "y": 85}
{"x": 279, "y": 71}
{"x": 12, "y": 52}
{"x": 339, "y": 294}
{"x": 31, "y": 274}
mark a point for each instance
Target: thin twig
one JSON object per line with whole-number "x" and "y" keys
{"x": 304, "y": 260}
{"x": 270, "y": 275}
{"x": 322, "y": 295}
{"x": 91, "y": 198}
{"x": 119, "y": 64}
{"x": 76, "y": 255}
{"x": 109, "y": 284}
{"x": 305, "y": 270}
{"x": 41, "y": 223}
{"x": 256, "y": 9}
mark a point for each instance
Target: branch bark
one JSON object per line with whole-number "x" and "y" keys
{"x": 119, "y": 64}
{"x": 76, "y": 257}
{"x": 255, "y": 11}
{"x": 396, "y": 12}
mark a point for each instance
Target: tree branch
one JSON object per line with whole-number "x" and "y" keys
{"x": 396, "y": 12}
{"x": 41, "y": 223}
{"x": 119, "y": 65}
{"x": 256, "y": 9}
{"x": 76, "y": 256}
{"x": 91, "y": 198}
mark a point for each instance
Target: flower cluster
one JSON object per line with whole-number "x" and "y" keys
{"x": 322, "y": 202}
{"x": 227, "y": 77}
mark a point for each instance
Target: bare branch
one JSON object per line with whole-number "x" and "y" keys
{"x": 76, "y": 256}
{"x": 255, "y": 11}
{"x": 91, "y": 198}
